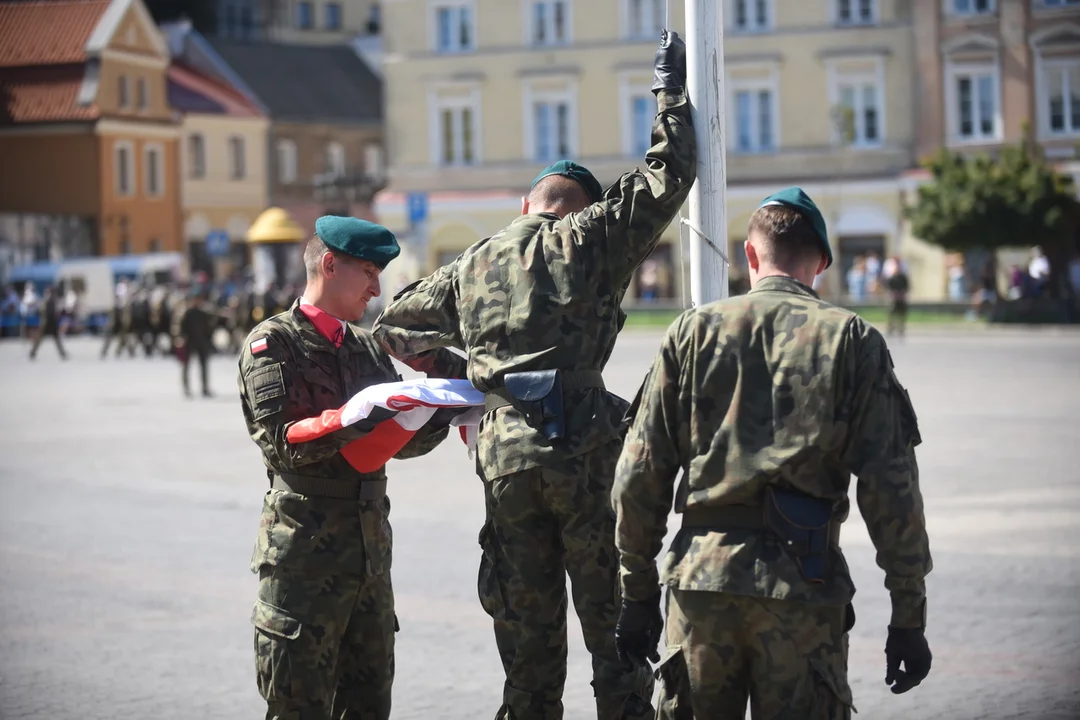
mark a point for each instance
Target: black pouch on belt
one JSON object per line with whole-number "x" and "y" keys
{"x": 538, "y": 396}
{"x": 803, "y": 524}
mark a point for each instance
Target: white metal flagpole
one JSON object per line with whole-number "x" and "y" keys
{"x": 707, "y": 223}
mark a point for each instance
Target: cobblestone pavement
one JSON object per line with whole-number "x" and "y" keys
{"x": 127, "y": 516}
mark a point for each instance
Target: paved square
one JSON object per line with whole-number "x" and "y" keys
{"x": 127, "y": 517}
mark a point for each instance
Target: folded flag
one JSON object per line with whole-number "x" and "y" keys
{"x": 400, "y": 409}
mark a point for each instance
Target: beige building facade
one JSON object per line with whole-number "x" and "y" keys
{"x": 989, "y": 71}
{"x": 482, "y": 94}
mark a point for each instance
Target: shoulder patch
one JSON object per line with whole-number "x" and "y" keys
{"x": 266, "y": 383}
{"x": 257, "y": 346}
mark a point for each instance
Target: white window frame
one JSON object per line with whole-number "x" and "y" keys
{"x": 628, "y": 22}
{"x": 336, "y": 162}
{"x": 954, "y": 70}
{"x": 751, "y": 14}
{"x": 433, "y": 26}
{"x": 439, "y": 100}
{"x": 286, "y": 161}
{"x": 374, "y": 160}
{"x": 230, "y": 145}
{"x": 951, "y": 9}
{"x": 198, "y": 163}
{"x": 628, "y": 91}
{"x": 737, "y": 85}
{"x": 837, "y": 79}
{"x": 1042, "y": 95}
{"x": 159, "y": 180}
{"x": 875, "y": 14}
{"x": 569, "y": 95}
{"x": 131, "y": 179}
{"x": 530, "y": 23}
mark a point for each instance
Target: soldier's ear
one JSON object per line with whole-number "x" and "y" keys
{"x": 751, "y": 255}
{"x": 524, "y": 205}
{"x": 327, "y": 264}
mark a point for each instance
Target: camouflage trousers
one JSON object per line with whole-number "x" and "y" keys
{"x": 788, "y": 659}
{"x": 324, "y": 617}
{"x": 543, "y": 524}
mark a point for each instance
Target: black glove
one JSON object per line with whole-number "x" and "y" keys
{"x": 670, "y": 65}
{"x": 906, "y": 645}
{"x": 637, "y": 634}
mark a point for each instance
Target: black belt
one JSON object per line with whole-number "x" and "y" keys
{"x": 737, "y": 517}
{"x": 571, "y": 380}
{"x": 329, "y": 487}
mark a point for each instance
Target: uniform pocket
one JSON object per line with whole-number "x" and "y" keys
{"x": 832, "y": 696}
{"x": 675, "y": 701}
{"x": 487, "y": 584}
{"x": 275, "y": 632}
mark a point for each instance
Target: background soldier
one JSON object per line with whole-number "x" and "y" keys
{"x": 769, "y": 401}
{"x": 193, "y": 328}
{"x": 324, "y": 619}
{"x": 50, "y": 323}
{"x": 120, "y": 324}
{"x": 538, "y": 307}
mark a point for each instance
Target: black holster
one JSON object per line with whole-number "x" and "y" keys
{"x": 805, "y": 528}
{"x": 538, "y": 396}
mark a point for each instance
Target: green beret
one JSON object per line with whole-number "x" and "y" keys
{"x": 796, "y": 199}
{"x": 575, "y": 172}
{"x": 358, "y": 238}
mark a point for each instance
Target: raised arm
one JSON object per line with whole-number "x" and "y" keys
{"x": 626, "y": 225}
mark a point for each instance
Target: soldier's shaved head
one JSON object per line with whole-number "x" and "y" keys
{"x": 559, "y": 195}
{"x": 784, "y": 240}
{"x": 313, "y": 254}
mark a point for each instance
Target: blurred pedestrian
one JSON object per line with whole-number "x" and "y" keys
{"x": 193, "y": 328}
{"x": 51, "y": 310}
{"x": 897, "y": 283}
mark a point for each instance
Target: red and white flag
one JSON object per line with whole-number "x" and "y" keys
{"x": 413, "y": 403}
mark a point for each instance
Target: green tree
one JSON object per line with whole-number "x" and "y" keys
{"x": 1015, "y": 199}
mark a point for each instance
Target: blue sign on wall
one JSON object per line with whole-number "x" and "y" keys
{"x": 418, "y": 208}
{"x": 217, "y": 243}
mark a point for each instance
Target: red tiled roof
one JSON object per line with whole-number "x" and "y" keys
{"x": 47, "y": 32}
{"x": 43, "y": 94}
{"x": 232, "y": 101}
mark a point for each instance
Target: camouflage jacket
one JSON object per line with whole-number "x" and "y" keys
{"x": 775, "y": 387}
{"x": 299, "y": 375}
{"x": 544, "y": 294}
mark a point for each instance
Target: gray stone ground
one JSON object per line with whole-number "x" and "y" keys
{"x": 127, "y": 516}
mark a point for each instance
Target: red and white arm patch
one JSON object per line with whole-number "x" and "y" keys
{"x": 257, "y": 346}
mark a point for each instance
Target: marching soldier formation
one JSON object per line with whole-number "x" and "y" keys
{"x": 767, "y": 403}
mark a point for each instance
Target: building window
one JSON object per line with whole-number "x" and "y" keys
{"x": 751, "y": 15}
{"x": 335, "y": 159}
{"x": 333, "y": 16}
{"x": 972, "y": 7}
{"x": 196, "y": 156}
{"x": 230, "y": 21}
{"x": 155, "y": 245}
{"x": 123, "y": 167}
{"x": 236, "y": 157}
{"x": 1061, "y": 98}
{"x": 551, "y": 120}
{"x": 645, "y": 19}
{"x": 457, "y": 133}
{"x": 154, "y": 170}
{"x": 305, "y": 15}
{"x": 142, "y": 99}
{"x": 858, "y": 100}
{"x": 125, "y": 247}
{"x": 373, "y": 160}
{"x": 286, "y": 161}
{"x": 856, "y": 12}
{"x": 641, "y": 113}
{"x": 247, "y": 23}
{"x": 755, "y": 119}
{"x": 374, "y": 23}
{"x": 123, "y": 97}
{"x": 550, "y": 22}
{"x": 453, "y": 28}
{"x": 974, "y": 103}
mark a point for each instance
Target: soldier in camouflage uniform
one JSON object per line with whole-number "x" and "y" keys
{"x": 324, "y": 619}
{"x": 768, "y": 402}
{"x": 537, "y": 309}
